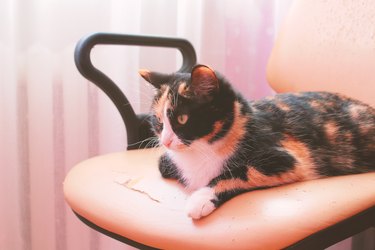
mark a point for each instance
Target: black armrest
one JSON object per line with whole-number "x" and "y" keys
{"x": 137, "y": 128}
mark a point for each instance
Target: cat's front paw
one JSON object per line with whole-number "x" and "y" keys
{"x": 200, "y": 203}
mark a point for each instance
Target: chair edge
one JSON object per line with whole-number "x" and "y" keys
{"x": 337, "y": 232}
{"x": 114, "y": 235}
{"x": 319, "y": 240}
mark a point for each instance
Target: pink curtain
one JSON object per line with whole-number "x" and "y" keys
{"x": 51, "y": 117}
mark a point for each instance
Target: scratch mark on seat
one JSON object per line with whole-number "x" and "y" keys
{"x": 130, "y": 183}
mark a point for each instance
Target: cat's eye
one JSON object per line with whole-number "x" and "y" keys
{"x": 182, "y": 119}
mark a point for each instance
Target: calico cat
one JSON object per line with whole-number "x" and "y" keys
{"x": 219, "y": 145}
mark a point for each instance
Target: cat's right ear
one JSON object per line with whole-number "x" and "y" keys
{"x": 155, "y": 78}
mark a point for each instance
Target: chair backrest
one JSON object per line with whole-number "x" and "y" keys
{"x": 137, "y": 127}
{"x": 326, "y": 45}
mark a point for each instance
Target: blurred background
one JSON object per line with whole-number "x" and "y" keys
{"x": 52, "y": 118}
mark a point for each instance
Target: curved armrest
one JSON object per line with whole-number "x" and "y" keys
{"x": 136, "y": 127}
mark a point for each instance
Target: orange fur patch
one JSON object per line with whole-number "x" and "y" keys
{"x": 303, "y": 170}
{"x": 283, "y": 106}
{"x": 158, "y": 106}
{"x": 231, "y": 184}
{"x": 256, "y": 179}
{"x": 183, "y": 90}
{"x": 348, "y": 137}
{"x": 356, "y": 110}
{"x": 316, "y": 105}
{"x": 217, "y": 128}
{"x": 228, "y": 144}
{"x": 366, "y": 127}
{"x": 331, "y": 129}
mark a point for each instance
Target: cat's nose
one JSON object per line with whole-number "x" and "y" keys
{"x": 167, "y": 143}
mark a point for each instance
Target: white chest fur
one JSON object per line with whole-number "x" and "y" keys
{"x": 198, "y": 164}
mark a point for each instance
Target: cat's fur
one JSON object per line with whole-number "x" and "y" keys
{"x": 219, "y": 145}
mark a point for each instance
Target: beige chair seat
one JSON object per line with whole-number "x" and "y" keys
{"x": 125, "y": 194}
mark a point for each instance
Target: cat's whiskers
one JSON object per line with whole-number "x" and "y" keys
{"x": 175, "y": 99}
{"x": 227, "y": 168}
{"x": 142, "y": 94}
{"x": 143, "y": 98}
{"x": 152, "y": 142}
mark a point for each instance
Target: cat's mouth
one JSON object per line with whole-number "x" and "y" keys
{"x": 174, "y": 145}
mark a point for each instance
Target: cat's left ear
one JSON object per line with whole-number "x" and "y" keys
{"x": 155, "y": 78}
{"x": 204, "y": 81}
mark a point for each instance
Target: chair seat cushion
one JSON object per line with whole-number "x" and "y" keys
{"x": 125, "y": 194}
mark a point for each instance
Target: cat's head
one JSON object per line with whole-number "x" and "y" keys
{"x": 188, "y": 106}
